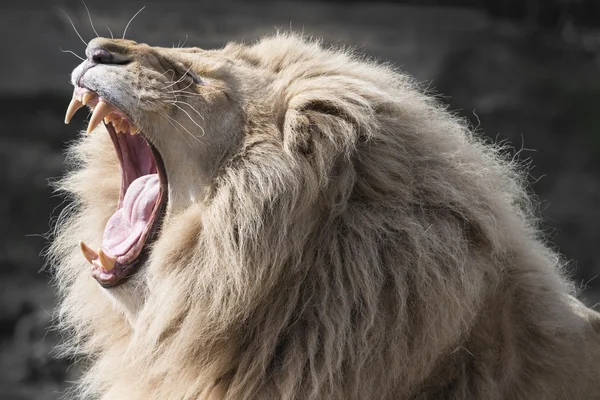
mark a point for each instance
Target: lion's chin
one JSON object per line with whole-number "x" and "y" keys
{"x": 142, "y": 201}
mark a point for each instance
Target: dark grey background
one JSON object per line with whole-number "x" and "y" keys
{"x": 523, "y": 71}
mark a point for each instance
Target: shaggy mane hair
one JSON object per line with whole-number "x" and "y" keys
{"x": 360, "y": 243}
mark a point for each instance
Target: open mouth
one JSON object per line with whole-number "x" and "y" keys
{"x": 142, "y": 201}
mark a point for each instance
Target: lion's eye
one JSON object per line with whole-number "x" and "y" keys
{"x": 194, "y": 77}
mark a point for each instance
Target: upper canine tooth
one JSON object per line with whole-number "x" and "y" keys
{"x": 88, "y": 253}
{"x": 108, "y": 262}
{"x": 133, "y": 129}
{"x": 74, "y": 105}
{"x": 101, "y": 111}
{"x": 87, "y": 96}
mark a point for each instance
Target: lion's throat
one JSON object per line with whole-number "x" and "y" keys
{"x": 126, "y": 227}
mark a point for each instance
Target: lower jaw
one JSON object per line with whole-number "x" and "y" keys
{"x": 127, "y": 271}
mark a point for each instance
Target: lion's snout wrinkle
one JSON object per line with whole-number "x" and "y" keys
{"x": 329, "y": 231}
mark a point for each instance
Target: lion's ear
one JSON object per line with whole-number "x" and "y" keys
{"x": 323, "y": 135}
{"x": 297, "y": 132}
{"x": 318, "y": 125}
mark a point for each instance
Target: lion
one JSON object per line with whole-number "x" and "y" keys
{"x": 290, "y": 220}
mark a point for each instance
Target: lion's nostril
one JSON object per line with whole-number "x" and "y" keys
{"x": 101, "y": 56}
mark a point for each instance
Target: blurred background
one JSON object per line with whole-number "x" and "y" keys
{"x": 522, "y": 71}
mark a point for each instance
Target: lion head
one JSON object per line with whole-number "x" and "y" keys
{"x": 278, "y": 220}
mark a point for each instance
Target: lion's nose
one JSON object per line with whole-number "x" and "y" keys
{"x": 105, "y": 51}
{"x": 101, "y": 56}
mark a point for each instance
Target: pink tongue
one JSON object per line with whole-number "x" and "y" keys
{"x": 126, "y": 226}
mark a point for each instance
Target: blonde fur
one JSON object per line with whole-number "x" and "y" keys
{"x": 355, "y": 241}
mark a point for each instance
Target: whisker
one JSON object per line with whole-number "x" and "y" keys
{"x": 176, "y": 129}
{"x": 164, "y": 73}
{"x": 90, "y": 17}
{"x": 187, "y": 104}
{"x": 186, "y": 92}
{"x": 190, "y": 84}
{"x": 135, "y": 15}
{"x": 184, "y": 42}
{"x": 184, "y": 128}
{"x": 191, "y": 95}
{"x": 111, "y": 34}
{"x": 72, "y": 52}
{"x": 73, "y": 25}
{"x": 179, "y": 80}
{"x": 169, "y": 70}
{"x": 179, "y": 93}
{"x": 174, "y": 92}
{"x": 191, "y": 119}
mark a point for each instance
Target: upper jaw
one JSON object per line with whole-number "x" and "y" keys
{"x": 184, "y": 187}
{"x": 103, "y": 110}
{"x": 106, "y": 85}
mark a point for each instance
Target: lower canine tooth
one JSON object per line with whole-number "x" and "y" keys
{"x": 108, "y": 263}
{"x": 88, "y": 253}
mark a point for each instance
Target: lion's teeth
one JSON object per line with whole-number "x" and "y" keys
{"x": 101, "y": 111}
{"x": 132, "y": 129}
{"x": 87, "y": 96}
{"x": 109, "y": 118}
{"x": 120, "y": 126}
{"x": 88, "y": 253}
{"x": 108, "y": 263}
{"x": 74, "y": 105}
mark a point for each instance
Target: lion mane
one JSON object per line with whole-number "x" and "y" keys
{"x": 361, "y": 242}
